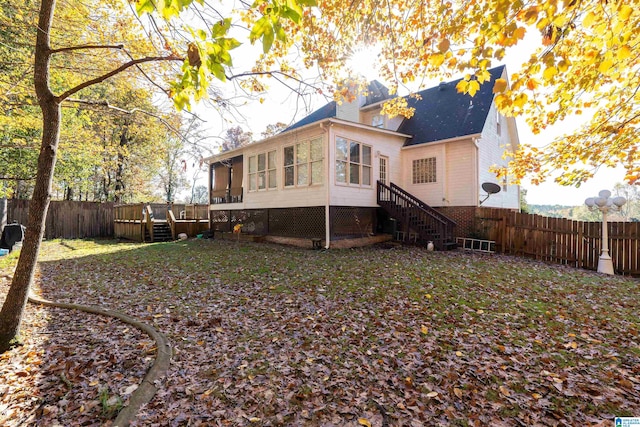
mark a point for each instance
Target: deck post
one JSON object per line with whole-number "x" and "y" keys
{"x": 141, "y": 211}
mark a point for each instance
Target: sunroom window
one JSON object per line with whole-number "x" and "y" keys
{"x": 262, "y": 171}
{"x": 353, "y": 162}
{"x": 303, "y": 163}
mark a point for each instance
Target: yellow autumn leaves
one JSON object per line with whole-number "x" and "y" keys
{"x": 585, "y": 62}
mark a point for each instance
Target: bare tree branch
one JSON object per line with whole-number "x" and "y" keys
{"x": 86, "y": 46}
{"x": 165, "y": 91}
{"x": 273, "y": 73}
{"x": 16, "y": 178}
{"x": 18, "y": 146}
{"x": 106, "y": 104}
{"x": 112, "y": 73}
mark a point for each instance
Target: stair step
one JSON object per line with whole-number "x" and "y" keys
{"x": 416, "y": 221}
{"x": 448, "y": 246}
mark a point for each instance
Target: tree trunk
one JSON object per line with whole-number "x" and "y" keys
{"x": 13, "y": 307}
{"x": 120, "y": 185}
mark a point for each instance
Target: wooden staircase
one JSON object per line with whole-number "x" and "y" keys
{"x": 416, "y": 217}
{"x": 161, "y": 232}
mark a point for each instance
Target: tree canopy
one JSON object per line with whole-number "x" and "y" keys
{"x": 586, "y": 63}
{"x": 112, "y": 136}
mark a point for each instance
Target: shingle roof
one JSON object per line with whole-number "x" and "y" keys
{"x": 443, "y": 113}
{"x": 326, "y": 112}
{"x": 376, "y": 92}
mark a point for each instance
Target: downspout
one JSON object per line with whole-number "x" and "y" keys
{"x": 476, "y": 173}
{"x": 327, "y": 216}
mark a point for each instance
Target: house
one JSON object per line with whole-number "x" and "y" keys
{"x": 346, "y": 170}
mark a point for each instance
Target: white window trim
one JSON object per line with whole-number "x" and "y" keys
{"x": 267, "y": 172}
{"x": 308, "y": 163}
{"x": 379, "y": 117}
{"x": 349, "y": 162}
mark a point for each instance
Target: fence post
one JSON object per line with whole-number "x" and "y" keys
{"x": 3, "y": 213}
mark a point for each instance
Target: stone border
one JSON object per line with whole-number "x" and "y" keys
{"x": 147, "y": 388}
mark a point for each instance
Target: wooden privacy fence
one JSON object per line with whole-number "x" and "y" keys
{"x": 68, "y": 219}
{"x": 559, "y": 240}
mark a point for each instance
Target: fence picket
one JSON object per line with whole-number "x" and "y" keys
{"x": 559, "y": 240}
{"x": 68, "y": 219}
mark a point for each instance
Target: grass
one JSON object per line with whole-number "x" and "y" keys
{"x": 335, "y": 329}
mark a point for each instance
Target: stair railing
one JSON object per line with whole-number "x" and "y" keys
{"x": 171, "y": 221}
{"x": 422, "y": 204}
{"x": 413, "y": 212}
{"x": 149, "y": 215}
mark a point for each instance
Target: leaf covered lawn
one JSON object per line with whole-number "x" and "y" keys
{"x": 271, "y": 335}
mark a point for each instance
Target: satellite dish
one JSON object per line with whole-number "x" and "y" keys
{"x": 490, "y": 188}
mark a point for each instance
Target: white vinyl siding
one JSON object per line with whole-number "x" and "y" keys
{"x": 276, "y": 195}
{"x": 460, "y": 171}
{"x": 491, "y": 146}
{"x": 381, "y": 144}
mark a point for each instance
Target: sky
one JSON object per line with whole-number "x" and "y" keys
{"x": 280, "y": 105}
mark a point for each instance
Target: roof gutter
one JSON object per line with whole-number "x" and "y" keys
{"x": 474, "y": 137}
{"x": 230, "y": 153}
{"x": 367, "y": 127}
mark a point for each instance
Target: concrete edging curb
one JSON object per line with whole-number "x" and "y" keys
{"x": 147, "y": 388}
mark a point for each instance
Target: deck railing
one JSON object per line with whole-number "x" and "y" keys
{"x": 230, "y": 195}
{"x": 190, "y": 211}
{"x": 135, "y": 221}
{"x": 171, "y": 221}
{"x": 148, "y": 223}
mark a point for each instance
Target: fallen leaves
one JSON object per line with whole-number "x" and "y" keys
{"x": 504, "y": 391}
{"x": 267, "y": 335}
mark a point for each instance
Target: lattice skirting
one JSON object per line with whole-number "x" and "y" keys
{"x": 352, "y": 221}
{"x": 306, "y": 222}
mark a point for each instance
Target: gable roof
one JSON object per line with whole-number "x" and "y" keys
{"x": 443, "y": 113}
{"x": 326, "y": 112}
{"x": 376, "y": 92}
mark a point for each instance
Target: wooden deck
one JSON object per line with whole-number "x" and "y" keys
{"x": 153, "y": 222}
